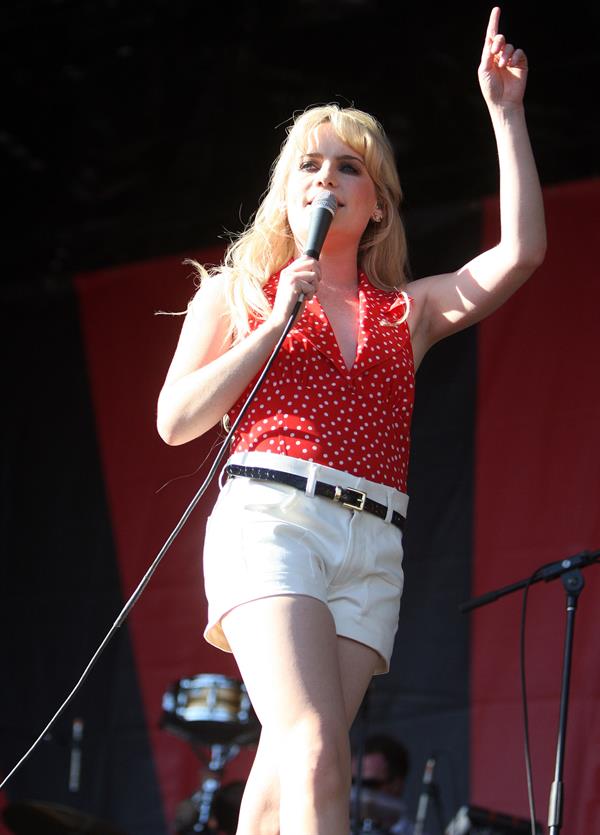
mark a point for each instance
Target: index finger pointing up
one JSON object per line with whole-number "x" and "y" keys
{"x": 492, "y": 29}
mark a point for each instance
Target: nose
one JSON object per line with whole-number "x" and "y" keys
{"x": 326, "y": 175}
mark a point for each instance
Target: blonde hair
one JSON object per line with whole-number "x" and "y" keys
{"x": 268, "y": 244}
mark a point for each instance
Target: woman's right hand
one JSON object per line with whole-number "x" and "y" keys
{"x": 207, "y": 374}
{"x": 301, "y": 276}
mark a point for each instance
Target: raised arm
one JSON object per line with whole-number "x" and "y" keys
{"x": 446, "y": 303}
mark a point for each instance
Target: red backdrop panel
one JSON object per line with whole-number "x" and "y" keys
{"x": 537, "y": 500}
{"x": 128, "y": 352}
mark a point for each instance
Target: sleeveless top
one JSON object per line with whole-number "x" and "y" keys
{"x": 311, "y": 406}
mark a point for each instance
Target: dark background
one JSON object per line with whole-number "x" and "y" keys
{"x": 133, "y": 129}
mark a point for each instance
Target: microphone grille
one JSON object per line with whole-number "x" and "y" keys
{"x": 325, "y": 200}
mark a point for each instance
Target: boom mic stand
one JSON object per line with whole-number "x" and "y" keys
{"x": 569, "y": 570}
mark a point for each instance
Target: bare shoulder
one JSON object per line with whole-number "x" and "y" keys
{"x": 210, "y": 297}
{"x": 421, "y": 289}
{"x": 418, "y": 292}
{"x": 208, "y": 312}
{"x": 205, "y": 334}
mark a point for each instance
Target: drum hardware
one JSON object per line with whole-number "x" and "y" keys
{"x": 213, "y": 711}
{"x": 376, "y": 810}
{"x": 210, "y": 709}
{"x": 197, "y": 812}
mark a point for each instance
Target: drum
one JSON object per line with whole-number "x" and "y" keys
{"x": 210, "y": 709}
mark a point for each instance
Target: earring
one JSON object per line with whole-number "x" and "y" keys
{"x": 377, "y": 216}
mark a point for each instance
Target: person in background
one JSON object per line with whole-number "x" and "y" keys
{"x": 384, "y": 767}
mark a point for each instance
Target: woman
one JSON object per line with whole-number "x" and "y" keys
{"x": 303, "y": 549}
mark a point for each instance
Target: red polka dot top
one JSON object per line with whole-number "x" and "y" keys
{"x": 311, "y": 406}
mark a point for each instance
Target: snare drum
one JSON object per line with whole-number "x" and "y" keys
{"x": 210, "y": 709}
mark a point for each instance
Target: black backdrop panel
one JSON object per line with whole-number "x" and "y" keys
{"x": 59, "y": 585}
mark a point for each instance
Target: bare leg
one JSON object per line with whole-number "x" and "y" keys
{"x": 306, "y": 686}
{"x": 260, "y": 808}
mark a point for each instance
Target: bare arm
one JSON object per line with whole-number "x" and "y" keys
{"x": 207, "y": 375}
{"x": 450, "y": 302}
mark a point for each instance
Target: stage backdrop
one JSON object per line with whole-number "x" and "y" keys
{"x": 537, "y": 501}
{"x": 504, "y": 478}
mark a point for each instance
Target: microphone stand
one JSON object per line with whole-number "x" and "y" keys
{"x": 569, "y": 570}
{"x": 430, "y": 791}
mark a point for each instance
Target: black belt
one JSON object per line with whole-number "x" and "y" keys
{"x": 346, "y": 496}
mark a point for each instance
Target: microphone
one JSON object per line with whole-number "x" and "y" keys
{"x": 323, "y": 208}
{"x": 424, "y": 796}
{"x": 75, "y": 759}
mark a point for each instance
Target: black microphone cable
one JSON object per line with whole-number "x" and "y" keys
{"x": 169, "y": 541}
{"x": 325, "y": 201}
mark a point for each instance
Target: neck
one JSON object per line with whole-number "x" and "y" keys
{"x": 339, "y": 270}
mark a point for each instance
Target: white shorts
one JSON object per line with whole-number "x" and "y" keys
{"x": 265, "y": 539}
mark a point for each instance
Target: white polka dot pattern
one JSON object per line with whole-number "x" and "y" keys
{"x": 311, "y": 406}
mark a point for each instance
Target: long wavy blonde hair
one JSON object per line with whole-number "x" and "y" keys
{"x": 268, "y": 244}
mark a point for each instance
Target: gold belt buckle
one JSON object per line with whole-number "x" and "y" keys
{"x": 360, "y": 498}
